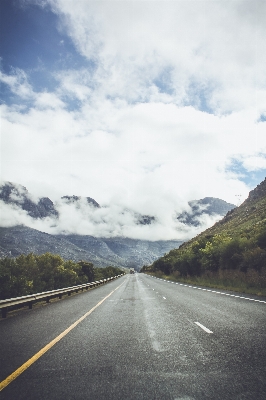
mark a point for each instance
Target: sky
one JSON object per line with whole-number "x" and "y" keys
{"x": 142, "y": 105}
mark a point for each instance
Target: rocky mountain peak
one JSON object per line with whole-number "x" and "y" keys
{"x": 209, "y": 205}
{"x": 75, "y": 199}
{"x": 11, "y": 192}
{"x": 18, "y": 195}
{"x": 259, "y": 191}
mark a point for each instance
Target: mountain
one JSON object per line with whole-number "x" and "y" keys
{"x": 232, "y": 251}
{"x": 19, "y": 196}
{"x": 145, "y": 219}
{"x": 246, "y": 220}
{"x": 122, "y": 251}
{"x": 102, "y": 252}
{"x": 74, "y": 199}
{"x": 209, "y": 206}
{"x": 23, "y": 240}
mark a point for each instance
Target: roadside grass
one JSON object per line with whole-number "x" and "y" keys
{"x": 250, "y": 283}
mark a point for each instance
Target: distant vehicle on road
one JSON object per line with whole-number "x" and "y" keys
{"x": 132, "y": 271}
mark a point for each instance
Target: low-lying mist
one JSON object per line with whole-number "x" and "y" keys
{"x": 82, "y": 218}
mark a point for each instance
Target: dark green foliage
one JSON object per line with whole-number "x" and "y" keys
{"x": 163, "y": 265}
{"x": 87, "y": 269}
{"x": 144, "y": 268}
{"x": 254, "y": 258}
{"x": 11, "y": 283}
{"x": 28, "y": 274}
{"x": 261, "y": 240}
{"x": 232, "y": 249}
{"x": 104, "y": 273}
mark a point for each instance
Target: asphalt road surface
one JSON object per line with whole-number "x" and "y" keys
{"x": 146, "y": 339}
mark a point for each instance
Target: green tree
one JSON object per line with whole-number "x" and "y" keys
{"x": 87, "y": 269}
{"x": 8, "y": 272}
{"x": 211, "y": 253}
{"x": 254, "y": 258}
{"x": 261, "y": 239}
{"x": 48, "y": 267}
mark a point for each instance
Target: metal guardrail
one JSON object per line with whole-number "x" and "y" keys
{"x": 18, "y": 302}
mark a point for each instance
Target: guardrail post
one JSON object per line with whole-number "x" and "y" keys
{"x": 4, "y": 312}
{"x": 47, "y": 300}
{"x": 30, "y": 305}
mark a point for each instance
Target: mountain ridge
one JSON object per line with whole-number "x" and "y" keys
{"x": 208, "y": 205}
{"x": 101, "y": 250}
{"x": 18, "y": 195}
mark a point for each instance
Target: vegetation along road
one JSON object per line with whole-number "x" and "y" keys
{"x": 140, "y": 338}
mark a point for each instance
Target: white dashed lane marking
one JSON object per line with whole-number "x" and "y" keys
{"x": 203, "y": 327}
{"x": 212, "y": 291}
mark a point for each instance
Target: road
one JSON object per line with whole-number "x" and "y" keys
{"x": 146, "y": 339}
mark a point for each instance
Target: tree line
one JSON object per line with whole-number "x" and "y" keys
{"x": 29, "y": 274}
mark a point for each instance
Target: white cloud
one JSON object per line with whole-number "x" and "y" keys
{"x": 139, "y": 138}
{"x": 207, "y": 43}
{"x": 18, "y": 83}
{"x": 255, "y": 163}
{"x": 137, "y": 152}
{"x": 110, "y": 221}
{"x": 12, "y": 215}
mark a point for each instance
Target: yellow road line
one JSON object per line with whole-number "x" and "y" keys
{"x": 36, "y": 356}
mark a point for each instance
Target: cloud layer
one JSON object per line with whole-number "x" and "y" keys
{"x": 171, "y": 97}
{"x": 109, "y": 221}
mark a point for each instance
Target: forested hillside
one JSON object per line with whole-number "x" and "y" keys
{"x": 230, "y": 254}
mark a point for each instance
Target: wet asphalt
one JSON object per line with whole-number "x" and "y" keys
{"x": 150, "y": 339}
